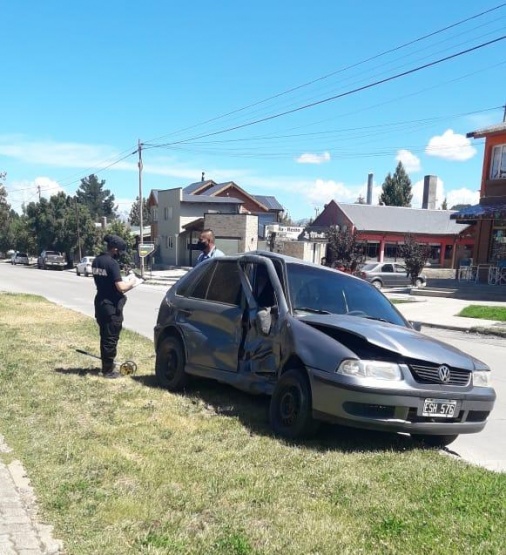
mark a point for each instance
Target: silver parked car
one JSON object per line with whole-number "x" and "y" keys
{"x": 389, "y": 274}
{"x": 20, "y": 258}
{"x": 324, "y": 345}
{"x": 84, "y": 266}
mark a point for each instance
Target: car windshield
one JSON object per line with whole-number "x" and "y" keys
{"x": 321, "y": 290}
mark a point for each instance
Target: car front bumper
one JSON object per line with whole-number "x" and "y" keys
{"x": 398, "y": 407}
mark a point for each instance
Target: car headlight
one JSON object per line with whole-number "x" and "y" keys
{"x": 482, "y": 378}
{"x": 378, "y": 370}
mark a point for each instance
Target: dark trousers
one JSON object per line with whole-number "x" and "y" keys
{"x": 110, "y": 321}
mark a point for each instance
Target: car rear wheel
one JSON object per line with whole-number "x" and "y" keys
{"x": 290, "y": 412}
{"x": 418, "y": 282}
{"x": 170, "y": 363}
{"x": 434, "y": 441}
{"x": 377, "y": 283}
{"x": 78, "y": 272}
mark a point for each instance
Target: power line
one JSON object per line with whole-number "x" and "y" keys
{"x": 341, "y": 70}
{"x": 334, "y": 97}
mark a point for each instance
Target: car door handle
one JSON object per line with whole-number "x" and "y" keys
{"x": 185, "y": 312}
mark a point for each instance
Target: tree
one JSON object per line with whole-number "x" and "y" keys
{"x": 99, "y": 201}
{"x": 444, "y": 204}
{"x": 397, "y": 188}
{"x": 285, "y": 218}
{"x": 460, "y": 206}
{"x": 415, "y": 256}
{"x": 360, "y": 200}
{"x": 134, "y": 217}
{"x": 344, "y": 248}
{"x": 5, "y": 216}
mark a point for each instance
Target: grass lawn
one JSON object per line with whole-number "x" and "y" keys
{"x": 121, "y": 466}
{"x": 497, "y": 313}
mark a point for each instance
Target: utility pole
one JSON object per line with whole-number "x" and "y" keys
{"x": 141, "y": 207}
{"x": 78, "y": 230}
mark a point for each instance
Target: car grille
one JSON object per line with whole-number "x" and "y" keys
{"x": 430, "y": 374}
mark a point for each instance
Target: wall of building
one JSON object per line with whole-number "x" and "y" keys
{"x": 305, "y": 250}
{"x": 242, "y": 228}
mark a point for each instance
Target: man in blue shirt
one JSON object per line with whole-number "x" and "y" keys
{"x": 207, "y": 246}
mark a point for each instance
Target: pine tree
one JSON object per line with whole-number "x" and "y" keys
{"x": 134, "y": 216}
{"x": 99, "y": 201}
{"x": 397, "y": 188}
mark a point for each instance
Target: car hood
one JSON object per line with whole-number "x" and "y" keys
{"x": 404, "y": 341}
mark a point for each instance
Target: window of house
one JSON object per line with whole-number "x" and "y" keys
{"x": 154, "y": 214}
{"x": 498, "y": 165}
{"x": 170, "y": 242}
{"x": 165, "y": 212}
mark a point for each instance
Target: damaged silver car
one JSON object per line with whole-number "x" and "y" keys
{"x": 324, "y": 345}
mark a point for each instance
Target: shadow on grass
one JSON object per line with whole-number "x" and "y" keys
{"x": 253, "y": 412}
{"x": 79, "y": 371}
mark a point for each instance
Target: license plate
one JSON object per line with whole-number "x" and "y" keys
{"x": 441, "y": 408}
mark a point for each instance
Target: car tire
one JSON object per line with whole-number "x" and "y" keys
{"x": 290, "y": 412}
{"x": 77, "y": 272}
{"x": 434, "y": 441}
{"x": 170, "y": 364}
{"x": 377, "y": 283}
{"x": 418, "y": 282}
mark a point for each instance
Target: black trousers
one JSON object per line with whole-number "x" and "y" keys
{"x": 109, "y": 317}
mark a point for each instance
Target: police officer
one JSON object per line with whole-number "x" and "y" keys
{"x": 109, "y": 301}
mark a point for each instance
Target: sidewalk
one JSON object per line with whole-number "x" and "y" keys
{"x": 440, "y": 312}
{"x": 21, "y": 532}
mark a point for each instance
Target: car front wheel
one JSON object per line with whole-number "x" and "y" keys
{"x": 290, "y": 412}
{"x": 170, "y": 363}
{"x": 434, "y": 441}
{"x": 418, "y": 282}
{"x": 377, "y": 283}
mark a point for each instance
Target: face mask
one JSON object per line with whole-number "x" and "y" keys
{"x": 201, "y": 245}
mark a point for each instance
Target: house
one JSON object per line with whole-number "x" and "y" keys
{"x": 383, "y": 228}
{"x": 179, "y": 215}
{"x": 490, "y": 214}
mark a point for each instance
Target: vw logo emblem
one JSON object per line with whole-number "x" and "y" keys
{"x": 444, "y": 373}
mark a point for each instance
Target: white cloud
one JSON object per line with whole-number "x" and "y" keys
{"x": 450, "y": 146}
{"x": 310, "y": 158}
{"x": 462, "y": 196}
{"x": 410, "y": 162}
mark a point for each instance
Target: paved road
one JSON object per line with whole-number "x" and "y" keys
{"x": 488, "y": 448}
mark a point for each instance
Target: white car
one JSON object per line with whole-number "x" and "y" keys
{"x": 84, "y": 267}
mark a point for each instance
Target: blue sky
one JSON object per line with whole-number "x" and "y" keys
{"x": 265, "y": 94}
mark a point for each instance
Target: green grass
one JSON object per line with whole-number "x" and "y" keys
{"x": 121, "y": 466}
{"x": 496, "y": 313}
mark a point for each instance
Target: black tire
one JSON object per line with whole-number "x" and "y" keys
{"x": 77, "y": 272}
{"x": 290, "y": 412}
{"x": 377, "y": 283}
{"x": 170, "y": 364}
{"x": 434, "y": 441}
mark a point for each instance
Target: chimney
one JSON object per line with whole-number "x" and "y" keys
{"x": 369, "y": 188}
{"x": 429, "y": 192}
{"x": 203, "y": 175}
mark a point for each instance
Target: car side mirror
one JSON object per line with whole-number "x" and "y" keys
{"x": 417, "y": 326}
{"x": 264, "y": 320}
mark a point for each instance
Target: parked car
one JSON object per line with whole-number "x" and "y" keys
{"x": 51, "y": 260}
{"x": 324, "y": 345}
{"x": 84, "y": 266}
{"x": 20, "y": 258}
{"x": 389, "y": 274}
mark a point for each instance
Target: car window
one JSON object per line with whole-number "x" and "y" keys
{"x": 400, "y": 269}
{"x": 368, "y": 267}
{"x": 388, "y": 268}
{"x": 320, "y": 289}
{"x": 196, "y": 282}
{"x": 225, "y": 286}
